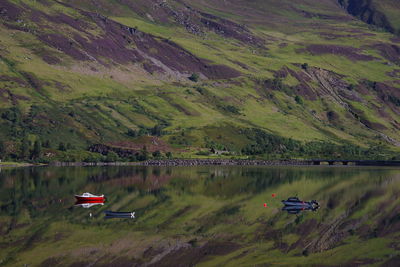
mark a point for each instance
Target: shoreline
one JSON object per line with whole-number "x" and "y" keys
{"x": 18, "y": 164}
{"x": 193, "y": 162}
{"x": 216, "y": 162}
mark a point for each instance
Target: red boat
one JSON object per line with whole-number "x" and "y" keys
{"x": 87, "y": 197}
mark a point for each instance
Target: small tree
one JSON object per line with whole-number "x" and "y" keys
{"x": 298, "y": 100}
{"x": 131, "y": 133}
{"x": 61, "y": 146}
{"x": 112, "y": 156}
{"x": 156, "y": 130}
{"x": 304, "y": 66}
{"x": 194, "y": 77}
{"x": 69, "y": 146}
{"x": 47, "y": 144}
{"x": 157, "y": 154}
{"x": 169, "y": 155}
{"x": 37, "y": 150}
{"x": 2, "y": 150}
{"x": 24, "y": 149}
{"x": 144, "y": 154}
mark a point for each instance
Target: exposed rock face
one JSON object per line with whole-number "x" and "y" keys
{"x": 195, "y": 21}
{"x": 367, "y": 12}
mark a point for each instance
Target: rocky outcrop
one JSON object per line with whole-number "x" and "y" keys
{"x": 367, "y": 12}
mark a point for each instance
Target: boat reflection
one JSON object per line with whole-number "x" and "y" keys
{"x": 294, "y": 205}
{"x": 120, "y": 215}
{"x": 88, "y": 204}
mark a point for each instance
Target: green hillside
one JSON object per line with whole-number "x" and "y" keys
{"x": 186, "y": 76}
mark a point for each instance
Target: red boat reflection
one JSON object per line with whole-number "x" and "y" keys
{"x": 89, "y": 197}
{"x": 87, "y": 200}
{"x": 88, "y": 204}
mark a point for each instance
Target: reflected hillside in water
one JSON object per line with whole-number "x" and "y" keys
{"x": 199, "y": 215}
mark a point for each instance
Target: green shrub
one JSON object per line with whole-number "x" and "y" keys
{"x": 194, "y": 77}
{"x": 157, "y": 154}
{"x": 112, "y": 157}
{"x": 299, "y": 100}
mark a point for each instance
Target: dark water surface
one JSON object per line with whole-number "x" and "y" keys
{"x": 205, "y": 216}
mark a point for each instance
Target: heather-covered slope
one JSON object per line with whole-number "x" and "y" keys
{"x": 195, "y": 75}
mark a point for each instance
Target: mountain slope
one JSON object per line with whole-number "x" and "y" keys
{"x": 194, "y": 75}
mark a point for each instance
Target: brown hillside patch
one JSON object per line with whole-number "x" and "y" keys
{"x": 394, "y": 73}
{"x": 334, "y": 36}
{"x": 19, "y": 81}
{"x": 351, "y": 53}
{"x": 8, "y": 95}
{"x": 361, "y": 116}
{"x": 61, "y": 18}
{"x": 303, "y": 89}
{"x": 386, "y": 92}
{"x": 395, "y": 39}
{"x": 389, "y": 51}
{"x": 9, "y": 11}
{"x": 63, "y": 44}
{"x": 282, "y": 73}
{"x": 229, "y": 29}
{"x": 244, "y": 66}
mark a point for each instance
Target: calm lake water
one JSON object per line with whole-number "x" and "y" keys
{"x": 203, "y": 216}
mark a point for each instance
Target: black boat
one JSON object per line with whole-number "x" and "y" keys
{"x": 119, "y": 214}
{"x": 295, "y": 201}
{"x": 294, "y": 205}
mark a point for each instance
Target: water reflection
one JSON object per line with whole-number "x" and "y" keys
{"x": 119, "y": 215}
{"x": 196, "y": 203}
{"x": 88, "y": 204}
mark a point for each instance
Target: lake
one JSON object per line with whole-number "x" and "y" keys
{"x": 203, "y": 216}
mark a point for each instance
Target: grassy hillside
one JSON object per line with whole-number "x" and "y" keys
{"x": 183, "y": 77}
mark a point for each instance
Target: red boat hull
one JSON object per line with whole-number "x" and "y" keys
{"x": 90, "y": 199}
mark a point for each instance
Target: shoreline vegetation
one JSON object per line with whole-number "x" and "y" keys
{"x": 213, "y": 162}
{"x": 19, "y": 164}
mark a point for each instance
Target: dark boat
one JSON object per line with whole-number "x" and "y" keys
{"x": 294, "y": 205}
{"x": 295, "y": 201}
{"x": 119, "y": 214}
